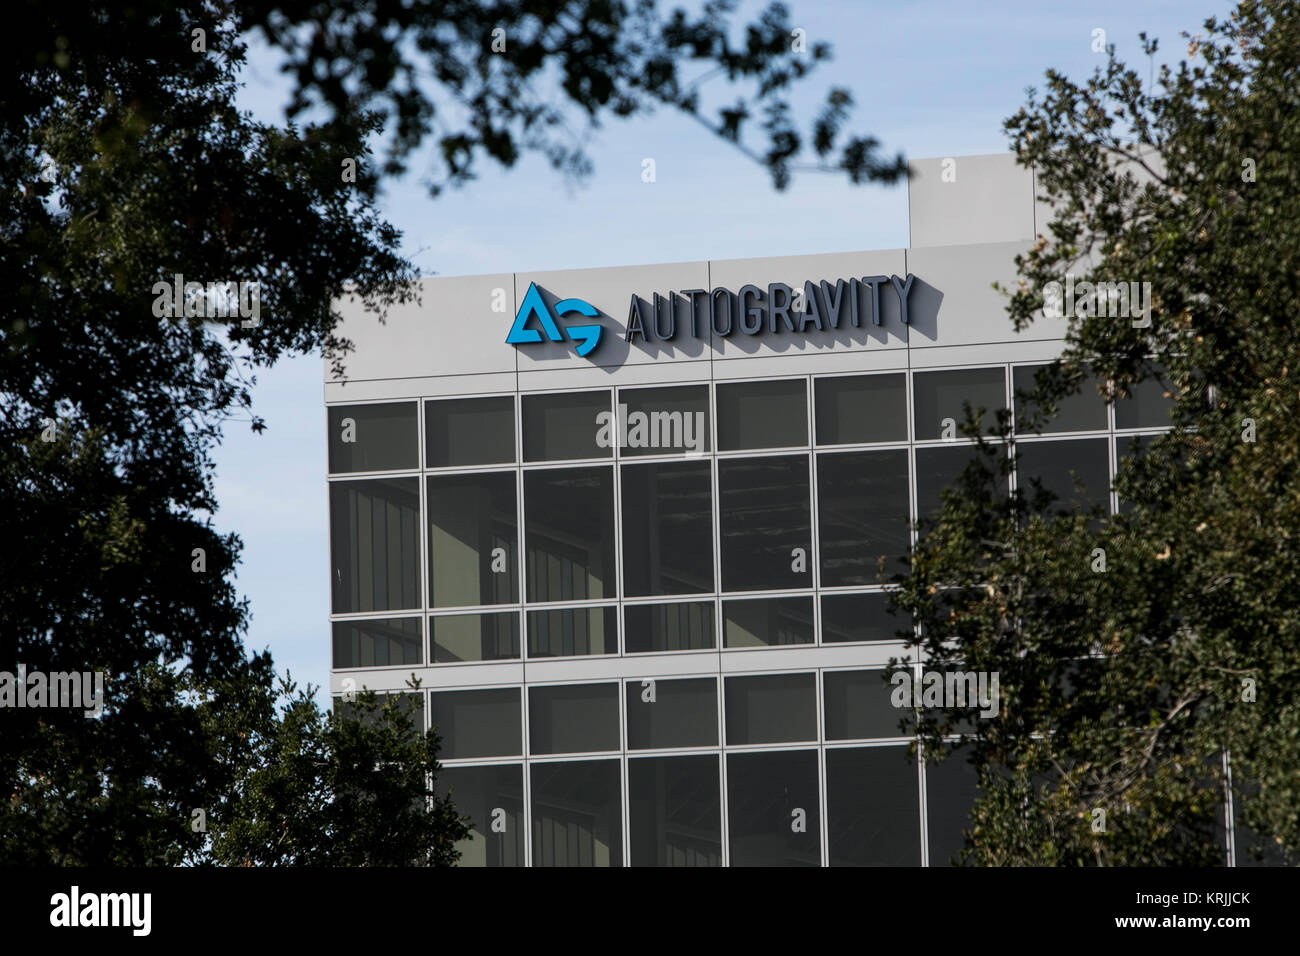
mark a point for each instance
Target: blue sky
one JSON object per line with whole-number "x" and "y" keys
{"x": 929, "y": 78}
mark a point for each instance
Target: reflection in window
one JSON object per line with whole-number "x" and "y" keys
{"x": 477, "y": 723}
{"x": 373, "y": 437}
{"x": 573, "y": 632}
{"x": 493, "y": 799}
{"x": 1085, "y": 410}
{"x": 1147, "y": 405}
{"x": 939, "y": 468}
{"x": 469, "y": 431}
{"x": 862, "y": 515}
{"x": 666, "y": 713}
{"x": 765, "y": 523}
{"x": 674, "y": 811}
{"x": 374, "y": 544}
{"x": 762, "y": 414}
{"x": 668, "y": 627}
{"x": 938, "y": 396}
{"x": 558, "y": 427}
{"x": 667, "y": 528}
{"x": 859, "y": 705}
{"x": 1056, "y": 465}
{"x": 856, "y": 409}
{"x": 860, "y": 617}
{"x": 472, "y": 535}
{"x": 570, "y": 533}
{"x": 671, "y": 404}
{"x": 474, "y": 637}
{"x": 378, "y": 643}
{"x": 573, "y": 718}
{"x": 771, "y": 709}
{"x": 873, "y": 814}
{"x": 951, "y": 788}
{"x": 577, "y": 813}
{"x": 773, "y": 809}
{"x": 766, "y": 622}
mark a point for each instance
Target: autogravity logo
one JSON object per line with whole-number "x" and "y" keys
{"x": 587, "y": 337}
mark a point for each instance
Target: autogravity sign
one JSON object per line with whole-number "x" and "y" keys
{"x": 702, "y": 313}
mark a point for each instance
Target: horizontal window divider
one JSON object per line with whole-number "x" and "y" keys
{"x": 412, "y": 472}
{"x": 342, "y": 616}
{"x": 433, "y": 471}
{"x": 473, "y": 609}
{"x": 763, "y": 452}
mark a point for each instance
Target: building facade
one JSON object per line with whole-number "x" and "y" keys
{"x": 626, "y": 526}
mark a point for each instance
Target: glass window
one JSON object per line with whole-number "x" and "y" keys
{"x": 557, "y": 427}
{"x": 373, "y": 437}
{"x": 762, "y": 414}
{"x": 475, "y": 637}
{"x": 573, "y": 718}
{"x": 1147, "y": 405}
{"x": 773, "y": 809}
{"x": 1056, "y": 465}
{"x": 859, "y": 704}
{"x": 766, "y": 622}
{"x": 473, "y": 530}
{"x": 771, "y": 709}
{"x": 950, "y": 791}
{"x": 469, "y": 431}
{"x": 378, "y": 643}
{"x": 493, "y": 799}
{"x": 672, "y": 713}
{"x": 766, "y": 531}
{"x": 411, "y": 704}
{"x": 941, "y": 395}
{"x": 661, "y": 421}
{"x": 675, "y": 811}
{"x": 940, "y": 468}
{"x": 667, "y": 528}
{"x": 863, "y": 515}
{"x": 668, "y": 627}
{"x": 855, "y": 409}
{"x": 374, "y": 544}
{"x": 1083, "y": 411}
{"x": 573, "y": 632}
{"x": 860, "y": 617}
{"x": 477, "y": 723}
{"x": 873, "y": 813}
{"x": 577, "y": 813}
{"x": 570, "y": 533}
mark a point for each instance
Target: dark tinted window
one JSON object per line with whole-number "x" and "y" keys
{"x": 764, "y": 517}
{"x": 1058, "y": 465}
{"x": 861, "y": 408}
{"x": 493, "y": 799}
{"x": 667, "y": 528}
{"x": 859, "y": 705}
{"x": 771, "y": 709}
{"x": 675, "y": 419}
{"x": 570, "y": 534}
{"x": 573, "y": 632}
{"x": 941, "y": 467}
{"x": 374, "y": 544}
{"x": 573, "y": 718}
{"x": 672, "y": 713}
{"x": 951, "y": 789}
{"x": 469, "y": 431}
{"x": 473, "y": 532}
{"x": 1147, "y": 405}
{"x": 477, "y": 723}
{"x": 378, "y": 643}
{"x": 373, "y": 437}
{"x": 1082, "y": 411}
{"x": 577, "y": 813}
{"x": 668, "y": 627}
{"x": 762, "y": 414}
{"x": 859, "y": 617}
{"x": 675, "y": 811}
{"x": 863, "y": 514}
{"x": 474, "y": 637}
{"x": 873, "y": 815}
{"x": 564, "y": 426}
{"x": 940, "y": 395}
{"x": 758, "y": 622}
{"x": 773, "y": 809}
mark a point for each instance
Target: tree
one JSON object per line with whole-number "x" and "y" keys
{"x": 1124, "y": 682}
{"x": 129, "y": 173}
